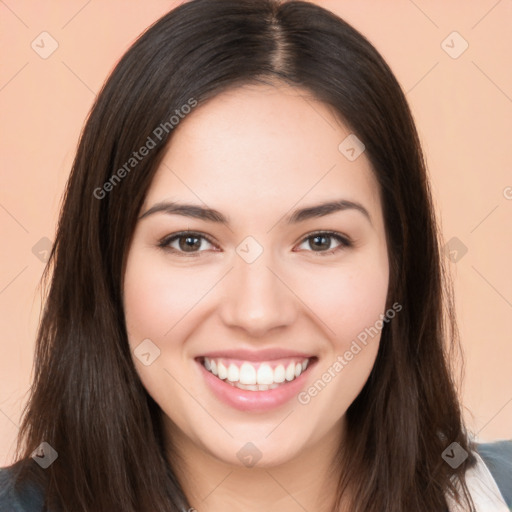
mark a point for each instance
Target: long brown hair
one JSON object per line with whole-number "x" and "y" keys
{"x": 87, "y": 400}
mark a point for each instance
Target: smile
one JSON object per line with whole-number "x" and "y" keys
{"x": 255, "y": 382}
{"x": 253, "y": 376}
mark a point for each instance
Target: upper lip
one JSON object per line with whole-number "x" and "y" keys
{"x": 267, "y": 354}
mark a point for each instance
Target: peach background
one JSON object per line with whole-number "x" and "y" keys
{"x": 463, "y": 109}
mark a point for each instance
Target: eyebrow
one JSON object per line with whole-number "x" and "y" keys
{"x": 212, "y": 215}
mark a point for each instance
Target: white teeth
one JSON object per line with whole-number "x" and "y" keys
{"x": 247, "y": 377}
{"x": 247, "y": 374}
{"x": 222, "y": 370}
{"x": 290, "y": 371}
{"x": 253, "y": 387}
{"x": 279, "y": 375}
{"x": 233, "y": 373}
{"x": 265, "y": 374}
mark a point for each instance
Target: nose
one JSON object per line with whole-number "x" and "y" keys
{"x": 257, "y": 298}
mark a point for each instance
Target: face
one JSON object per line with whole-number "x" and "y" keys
{"x": 255, "y": 316}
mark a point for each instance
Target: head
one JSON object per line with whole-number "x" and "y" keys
{"x": 273, "y": 151}
{"x": 285, "y": 108}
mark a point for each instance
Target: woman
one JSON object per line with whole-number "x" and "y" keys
{"x": 246, "y": 300}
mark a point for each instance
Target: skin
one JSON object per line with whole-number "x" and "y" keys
{"x": 255, "y": 154}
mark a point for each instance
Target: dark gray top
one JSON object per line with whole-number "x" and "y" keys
{"x": 497, "y": 456}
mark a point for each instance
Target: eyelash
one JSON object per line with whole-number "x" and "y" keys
{"x": 165, "y": 242}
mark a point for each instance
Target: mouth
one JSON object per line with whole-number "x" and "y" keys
{"x": 256, "y": 376}
{"x": 255, "y": 385}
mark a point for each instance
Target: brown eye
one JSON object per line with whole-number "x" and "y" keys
{"x": 321, "y": 242}
{"x": 187, "y": 243}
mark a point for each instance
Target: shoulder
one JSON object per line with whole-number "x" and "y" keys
{"x": 24, "y": 496}
{"x": 497, "y": 456}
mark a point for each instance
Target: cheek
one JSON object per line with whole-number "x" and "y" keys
{"x": 350, "y": 303}
{"x": 156, "y": 302}
{"x": 347, "y": 300}
{"x": 155, "y": 299}
{"x": 347, "y": 361}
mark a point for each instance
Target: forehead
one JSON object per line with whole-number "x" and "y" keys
{"x": 262, "y": 146}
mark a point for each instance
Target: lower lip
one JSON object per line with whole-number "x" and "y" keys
{"x": 245, "y": 400}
